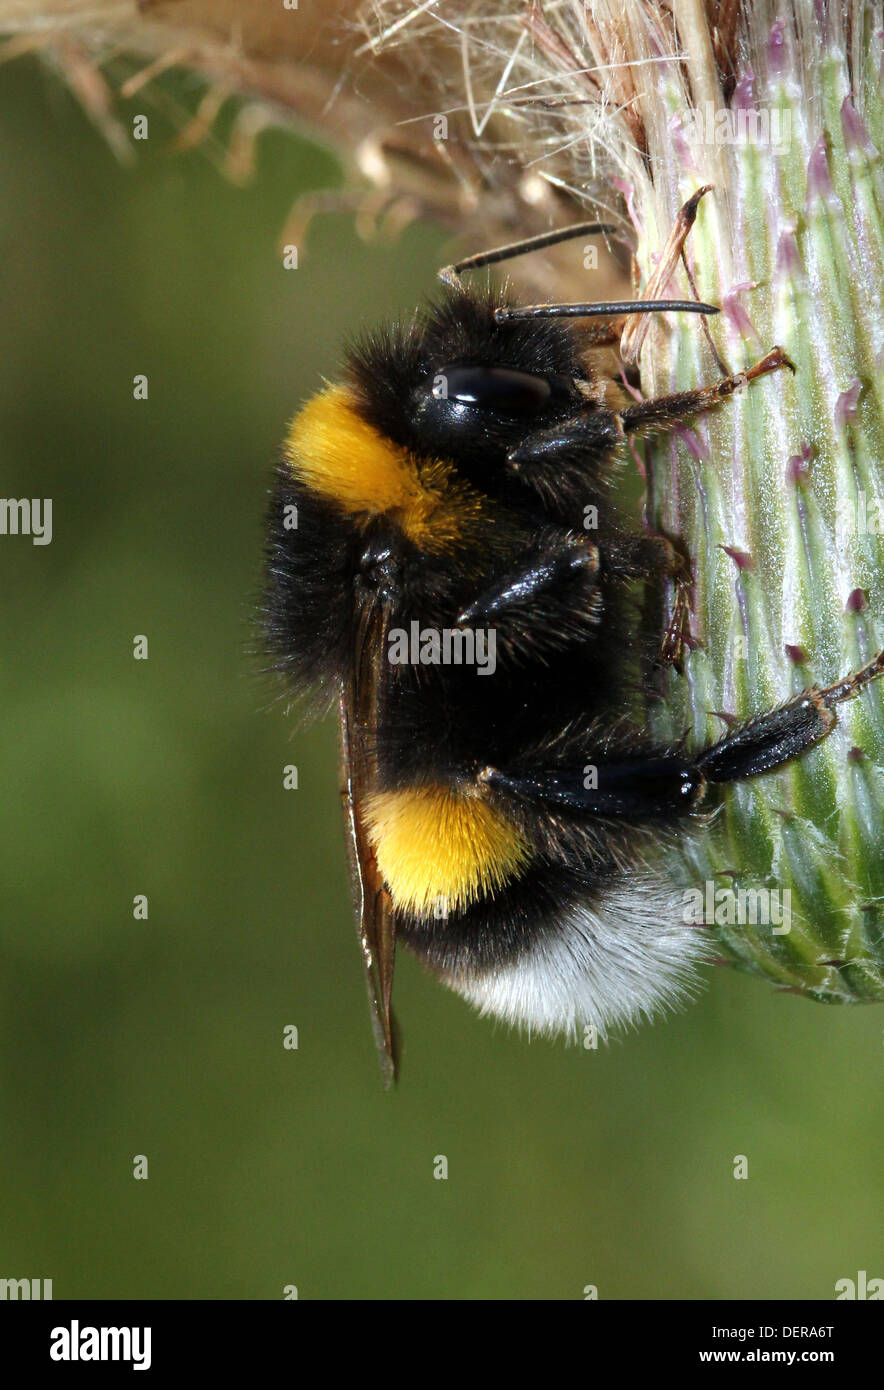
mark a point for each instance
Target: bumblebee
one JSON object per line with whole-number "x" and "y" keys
{"x": 432, "y": 573}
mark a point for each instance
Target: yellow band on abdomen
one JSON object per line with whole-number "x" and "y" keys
{"x": 440, "y": 849}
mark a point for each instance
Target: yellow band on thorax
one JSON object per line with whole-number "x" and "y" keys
{"x": 346, "y": 460}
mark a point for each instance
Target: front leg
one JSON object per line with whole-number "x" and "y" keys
{"x": 668, "y": 410}
{"x": 561, "y": 463}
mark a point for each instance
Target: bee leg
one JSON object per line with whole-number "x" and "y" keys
{"x": 667, "y": 409}
{"x": 663, "y": 784}
{"x": 588, "y": 438}
{"x": 591, "y": 434}
{"x": 677, "y": 636}
{"x": 550, "y": 599}
{"x": 637, "y": 788}
{"x": 783, "y": 733}
{"x": 652, "y": 556}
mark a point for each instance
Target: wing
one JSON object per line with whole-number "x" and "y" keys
{"x": 361, "y": 702}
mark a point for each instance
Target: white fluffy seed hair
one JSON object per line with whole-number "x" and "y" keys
{"x": 631, "y": 957}
{"x": 571, "y": 84}
{"x": 583, "y": 93}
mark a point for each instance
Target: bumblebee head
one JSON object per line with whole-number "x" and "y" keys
{"x": 457, "y": 384}
{"x": 420, "y": 430}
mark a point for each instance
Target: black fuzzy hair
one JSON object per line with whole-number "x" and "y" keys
{"x": 308, "y": 610}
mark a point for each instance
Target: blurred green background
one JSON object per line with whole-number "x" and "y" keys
{"x": 270, "y": 1167}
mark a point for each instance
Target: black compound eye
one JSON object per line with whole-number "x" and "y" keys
{"x": 501, "y": 389}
